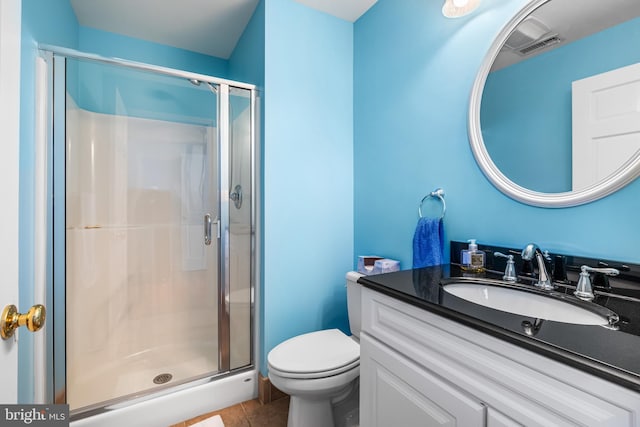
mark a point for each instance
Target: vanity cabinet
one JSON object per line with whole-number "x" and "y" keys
{"x": 420, "y": 369}
{"x": 403, "y": 393}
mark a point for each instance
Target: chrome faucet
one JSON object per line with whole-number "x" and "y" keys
{"x": 528, "y": 253}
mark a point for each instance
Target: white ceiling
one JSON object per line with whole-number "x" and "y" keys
{"x": 211, "y": 27}
{"x": 349, "y": 10}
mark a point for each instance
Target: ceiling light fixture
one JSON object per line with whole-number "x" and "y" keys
{"x": 458, "y": 8}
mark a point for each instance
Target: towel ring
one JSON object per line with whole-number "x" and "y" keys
{"x": 439, "y": 193}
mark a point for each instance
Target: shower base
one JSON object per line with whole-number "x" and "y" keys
{"x": 136, "y": 374}
{"x": 193, "y": 400}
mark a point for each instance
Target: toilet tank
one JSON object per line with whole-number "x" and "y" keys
{"x": 353, "y": 302}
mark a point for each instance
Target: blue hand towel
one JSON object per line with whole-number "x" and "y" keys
{"x": 428, "y": 243}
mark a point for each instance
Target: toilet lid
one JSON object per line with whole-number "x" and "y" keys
{"x": 315, "y": 352}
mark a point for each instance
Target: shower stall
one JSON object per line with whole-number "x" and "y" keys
{"x": 151, "y": 231}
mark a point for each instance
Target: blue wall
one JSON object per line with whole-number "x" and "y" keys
{"x": 118, "y": 46}
{"x": 308, "y": 171}
{"x": 246, "y": 63}
{"x": 140, "y": 94}
{"x": 150, "y": 96}
{"x": 526, "y": 108}
{"x": 413, "y": 74}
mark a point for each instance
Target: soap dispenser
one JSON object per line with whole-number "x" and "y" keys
{"x": 472, "y": 259}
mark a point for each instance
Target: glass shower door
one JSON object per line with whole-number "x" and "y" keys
{"x": 241, "y": 158}
{"x": 141, "y": 232}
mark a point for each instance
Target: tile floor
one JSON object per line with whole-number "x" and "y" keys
{"x": 249, "y": 414}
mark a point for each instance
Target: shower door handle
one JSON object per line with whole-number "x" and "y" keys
{"x": 207, "y": 229}
{"x": 208, "y": 223}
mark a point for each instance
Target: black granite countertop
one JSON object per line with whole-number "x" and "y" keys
{"x": 610, "y": 354}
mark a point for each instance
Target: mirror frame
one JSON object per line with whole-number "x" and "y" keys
{"x": 629, "y": 171}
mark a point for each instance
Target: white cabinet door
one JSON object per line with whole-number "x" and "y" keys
{"x": 10, "y": 12}
{"x": 394, "y": 391}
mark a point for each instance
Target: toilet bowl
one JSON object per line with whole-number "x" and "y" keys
{"x": 320, "y": 370}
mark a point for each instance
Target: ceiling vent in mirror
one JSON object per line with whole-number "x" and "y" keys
{"x": 528, "y": 33}
{"x": 548, "y": 41}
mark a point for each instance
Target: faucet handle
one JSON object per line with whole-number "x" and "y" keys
{"x": 608, "y": 271}
{"x": 601, "y": 280}
{"x": 584, "y": 290}
{"x": 510, "y": 270}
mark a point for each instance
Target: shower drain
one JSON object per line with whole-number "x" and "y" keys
{"x": 162, "y": 378}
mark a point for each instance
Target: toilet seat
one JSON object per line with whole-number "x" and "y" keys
{"x": 314, "y": 375}
{"x": 315, "y": 355}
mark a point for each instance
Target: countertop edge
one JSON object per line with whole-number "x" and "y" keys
{"x": 559, "y": 354}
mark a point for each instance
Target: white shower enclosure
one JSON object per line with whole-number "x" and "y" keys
{"x": 152, "y": 229}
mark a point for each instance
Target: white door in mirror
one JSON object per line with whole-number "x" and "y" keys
{"x": 606, "y": 124}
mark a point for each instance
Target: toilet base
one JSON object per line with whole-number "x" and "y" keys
{"x": 346, "y": 412}
{"x": 338, "y": 412}
{"x": 309, "y": 412}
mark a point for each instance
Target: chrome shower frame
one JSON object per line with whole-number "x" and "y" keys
{"x": 52, "y": 363}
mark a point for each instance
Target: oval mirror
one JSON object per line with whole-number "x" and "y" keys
{"x": 554, "y": 116}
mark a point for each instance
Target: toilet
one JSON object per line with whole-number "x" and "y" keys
{"x": 320, "y": 370}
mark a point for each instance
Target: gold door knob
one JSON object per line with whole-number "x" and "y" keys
{"x": 11, "y": 320}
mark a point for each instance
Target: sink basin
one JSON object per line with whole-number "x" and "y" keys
{"x": 552, "y": 306}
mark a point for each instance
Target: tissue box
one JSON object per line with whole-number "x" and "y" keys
{"x": 367, "y": 263}
{"x": 376, "y": 265}
{"x": 385, "y": 266}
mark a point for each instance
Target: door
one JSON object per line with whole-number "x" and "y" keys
{"x": 240, "y": 232}
{"x": 606, "y": 124}
{"x": 10, "y": 12}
